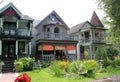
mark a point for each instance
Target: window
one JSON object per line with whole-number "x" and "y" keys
{"x": 21, "y": 48}
{"x": 48, "y": 29}
{"x": 56, "y": 30}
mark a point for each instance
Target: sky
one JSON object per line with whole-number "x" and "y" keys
{"x": 71, "y": 11}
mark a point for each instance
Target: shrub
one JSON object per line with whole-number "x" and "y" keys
{"x": 56, "y": 69}
{"x": 90, "y": 67}
{"x": 106, "y": 62}
{"x": 45, "y": 64}
{"x": 76, "y": 67}
{"x": 104, "y": 52}
{"x": 27, "y": 63}
{"x": 116, "y": 63}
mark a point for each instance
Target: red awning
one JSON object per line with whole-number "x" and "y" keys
{"x": 48, "y": 47}
{"x": 71, "y": 48}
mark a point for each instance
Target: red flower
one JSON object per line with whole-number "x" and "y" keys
{"x": 19, "y": 79}
{"x": 26, "y": 77}
{"x": 23, "y": 78}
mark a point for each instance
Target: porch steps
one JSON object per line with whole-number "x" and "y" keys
{"x": 8, "y": 67}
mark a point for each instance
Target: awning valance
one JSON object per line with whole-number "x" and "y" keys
{"x": 71, "y": 48}
{"x": 39, "y": 47}
{"x": 59, "y": 47}
{"x": 47, "y": 47}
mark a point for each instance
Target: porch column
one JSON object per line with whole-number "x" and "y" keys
{"x": 30, "y": 30}
{"x": 17, "y": 24}
{"x": 0, "y": 47}
{"x": 91, "y": 36}
{"x": 16, "y": 49}
{"x": 78, "y": 51}
{"x": 91, "y": 52}
{"x": 26, "y": 48}
{"x": 29, "y": 48}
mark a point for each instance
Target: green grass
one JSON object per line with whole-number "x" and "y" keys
{"x": 44, "y": 75}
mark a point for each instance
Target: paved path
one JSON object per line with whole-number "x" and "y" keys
{"x": 115, "y": 78}
{"x": 8, "y": 77}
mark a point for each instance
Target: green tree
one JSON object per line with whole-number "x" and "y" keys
{"x": 112, "y": 10}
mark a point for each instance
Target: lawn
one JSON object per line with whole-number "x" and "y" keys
{"x": 44, "y": 75}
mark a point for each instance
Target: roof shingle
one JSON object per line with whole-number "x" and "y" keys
{"x": 76, "y": 28}
{"x": 95, "y": 20}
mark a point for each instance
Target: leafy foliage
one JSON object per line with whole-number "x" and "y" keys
{"x": 27, "y": 63}
{"x": 105, "y": 52}
{"x": 75, "y": 69}
{"x": 19, "y": 66}
{"x": 112, "y": 10}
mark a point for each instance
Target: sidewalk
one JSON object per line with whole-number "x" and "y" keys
{"x": 115, "y": 78}
{"x": 8, "y": 77}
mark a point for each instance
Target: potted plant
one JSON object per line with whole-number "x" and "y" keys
{"x": 18, "y": 66}
{"x": 1, "y": 64}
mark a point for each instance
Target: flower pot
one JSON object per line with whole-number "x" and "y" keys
{"x": 16, "y": 67}
{"x": 0, "y": 68}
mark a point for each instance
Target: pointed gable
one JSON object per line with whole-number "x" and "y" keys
{"x": 10, "y": 10}
{"x": 53, "y": 18}
{"x": 95, "y": 20}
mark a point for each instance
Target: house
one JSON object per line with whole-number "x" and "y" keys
{"x": 52, "y": 39}
{"x": 15, "y": 33}
{"x": 90, "y": 35}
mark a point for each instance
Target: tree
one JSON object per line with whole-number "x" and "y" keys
{"x": 112, "y": 10}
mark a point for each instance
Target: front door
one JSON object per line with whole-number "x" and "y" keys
{"x": 8, "y": 49}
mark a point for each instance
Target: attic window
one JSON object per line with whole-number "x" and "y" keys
{"x": 53, "y": 19}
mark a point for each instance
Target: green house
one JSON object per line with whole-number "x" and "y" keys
{"x": 90, "y": 35}
{"x": 15, "y": 33}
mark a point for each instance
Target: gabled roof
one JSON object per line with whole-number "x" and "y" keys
{"x": 57, "y": 16}
{"x": 10, "y": 5}
{"x": 95, "y": 20}
{"x": 76, "y": 28}
{"x": 25, "y": 17}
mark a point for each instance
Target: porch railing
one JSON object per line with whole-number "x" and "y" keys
{"x": 48, "y": 57}
{"x": 54, "y": 36}
{"x": 88, "y": 40}
{"x": 15, "y": 32}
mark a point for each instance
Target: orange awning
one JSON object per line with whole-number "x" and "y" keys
{"x": 59, "y": 47}
{"x": 48, "y": 47}
{"x": 71, "y": 48}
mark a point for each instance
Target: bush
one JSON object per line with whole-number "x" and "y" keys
{"x": 76, "y": 67}
{"x": 90, "y": 67}
{"x": 106, "y": 62}
{"x": 104, "y": 52}
{"x": 27, "y": 63}
{"x": 45, "y": 64}
{"x": 116, "y": 63}
{"x": 56, "y": 69}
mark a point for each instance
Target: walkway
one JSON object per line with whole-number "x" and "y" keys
{"x": 8, "y": 77}
{"x": 115, "y": 78}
